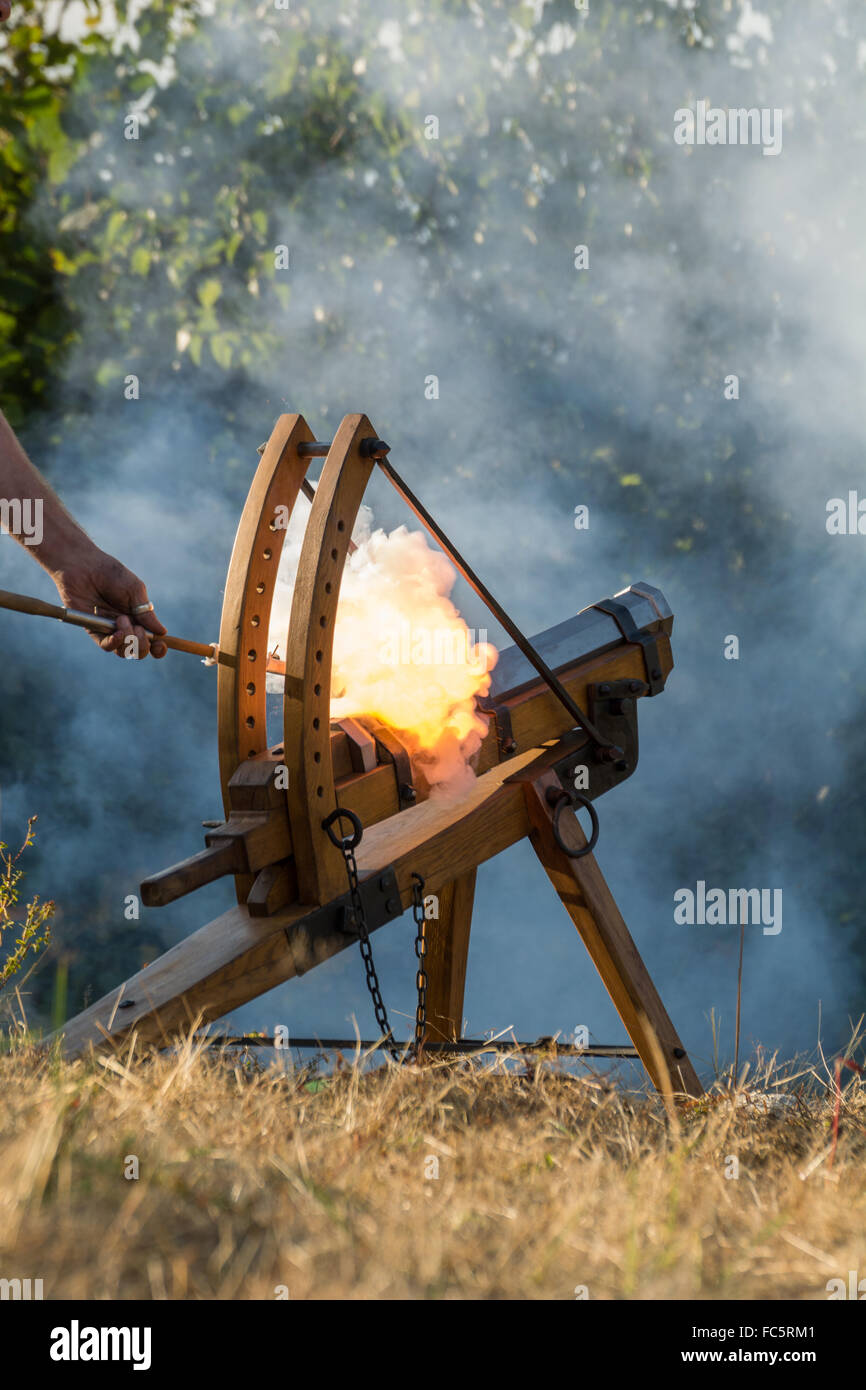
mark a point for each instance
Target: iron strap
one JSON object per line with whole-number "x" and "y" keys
{"x": 639, "y": 636}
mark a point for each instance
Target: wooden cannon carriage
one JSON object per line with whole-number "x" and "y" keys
{"x": 562, "y": 714}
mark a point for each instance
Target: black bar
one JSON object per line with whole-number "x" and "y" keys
{"x": 464, "y": 1045}
{"x": 610, "y": 750}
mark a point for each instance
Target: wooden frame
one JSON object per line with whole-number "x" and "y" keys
{"x": 288, "y": 873}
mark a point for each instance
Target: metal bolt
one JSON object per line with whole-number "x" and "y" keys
{"x": 408, "y": 793}
{"x": 610, "y": 755}
{"x": 604, "y": 689}
{"x": 657, "y": 675}
{"x": 373, "y": 448}
{"x": 623, "y": 706}
{"x": 634, "y": 686}
{"x": 385, "y": 881}
{"x": 509, "y": 747}
{"x": 393, "y": 905}
{"x": 679, "y": 1052}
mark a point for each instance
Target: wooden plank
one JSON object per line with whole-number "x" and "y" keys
{"x": 371, "y": 795}
{"x": 443, "y": 838}
{"x": 238, "y": 957}
{"x": 447, "y": 952}
{"x": 221, "y": 966}
{"x": 241, "y": 705}
{"x": 307, "y": 695}
{"x": 591, "y": 906}
{"x": 537, "y": 715}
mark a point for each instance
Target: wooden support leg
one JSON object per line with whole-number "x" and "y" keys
{"x": 590, "y": 904}
{"x": 447, "y": 949}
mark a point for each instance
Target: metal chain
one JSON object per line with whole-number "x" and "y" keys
{"x": 359, "y": 918}
{"x": 346, "y": 844}
{"x": 421, "y": 980}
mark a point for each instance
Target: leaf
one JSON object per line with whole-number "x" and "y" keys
{"x": 140, "y": 263}
{"x": 61, "y": 262}
{"x": 221, "y": 348}
{"x": 108, "y": 372}
{"x": 209, "y": 293}
{"x": 61, "y": 160}
{"x": 112, "y": 230}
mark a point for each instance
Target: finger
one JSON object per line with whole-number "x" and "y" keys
{"x": 114, "y": 640}
{"x": 158, "y": 650}
{"x": 152, "y": 623}
{"x": 122, "y": 631}
{"x": 137, "y": 646}
{"x": 137, "y": 597}
{"x": 130, "y": 642}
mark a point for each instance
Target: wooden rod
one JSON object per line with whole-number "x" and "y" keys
{"x": 23, "y": 603}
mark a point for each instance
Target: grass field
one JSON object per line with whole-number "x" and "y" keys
{"x": 451, "y": 1180}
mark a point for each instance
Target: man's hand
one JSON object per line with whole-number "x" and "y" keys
{"x": 96, "y": 582}
{"x": 87, "y": 579}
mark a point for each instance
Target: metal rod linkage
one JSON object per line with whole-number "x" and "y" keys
{"x": 466, "y": 1046}
{"x": 608, "y": 751}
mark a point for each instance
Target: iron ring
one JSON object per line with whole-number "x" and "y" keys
{"x": 571, "y": 799}
{"x": 348, "y": 841}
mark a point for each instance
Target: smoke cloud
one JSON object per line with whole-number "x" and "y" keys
{"x": 513, "y": 387}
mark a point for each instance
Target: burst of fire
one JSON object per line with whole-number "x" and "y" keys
{"x": 404, "y": 655}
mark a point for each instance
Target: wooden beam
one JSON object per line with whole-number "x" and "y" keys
{"x": 238, "y": 957}
{"x": 241, "y": 696}
{"x": 591, "y": 906}
{"x": 309, "y": 653}
{"x": 537, "y": 715}
{"x": 443, "y": 838}
{"x": 447, "y": 952}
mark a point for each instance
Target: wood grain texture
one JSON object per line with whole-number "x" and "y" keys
{"x": 221, "y": 966}
{"x": 241, "y": 718}
{"x": 447, "y": 954}
{"x": 591, "y": 906}
{"x": 238, "y": 957}
{"x": 442, "y": 839}
{"x": 537, "y": 715}
{"x": 307, "y": 696}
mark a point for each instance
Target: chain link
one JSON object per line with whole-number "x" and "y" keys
{"x": 359, "y": 917}
{"x": 421, "y": 980}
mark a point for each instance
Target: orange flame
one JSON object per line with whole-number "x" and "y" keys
{"x": 404, "y": 655}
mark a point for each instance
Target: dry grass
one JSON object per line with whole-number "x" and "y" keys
{"x": 254, "y": 1178}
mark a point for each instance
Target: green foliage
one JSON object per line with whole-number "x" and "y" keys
{"x": 26, "y": 933}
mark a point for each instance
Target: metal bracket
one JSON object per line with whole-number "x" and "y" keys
{"x": 613, "y": 709}
{"x": 641, "y": 637}
{"x": 380, "y": 897}
{"x": 501, "y": 716}
{"x": 391, "y": 750}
